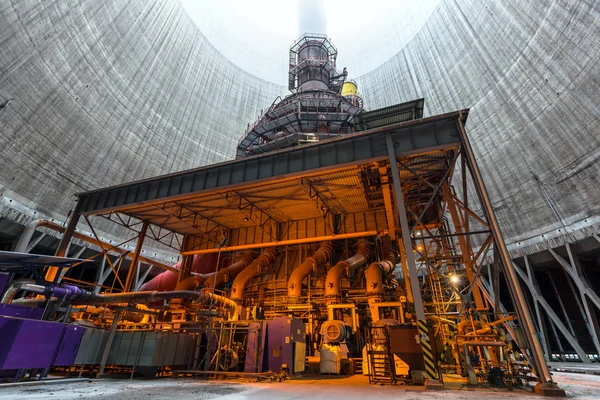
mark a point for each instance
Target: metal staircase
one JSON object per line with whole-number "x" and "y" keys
{"x": 380, "y": 368}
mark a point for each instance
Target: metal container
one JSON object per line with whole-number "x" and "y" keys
{"x": 11, "y": 310}
{"x": 349, "y": 89}
{"x": 151, "y": 349}
{"x": 69, "y": 345}
{"x": 91, "y": 347}
{"x": 286, "y": 345}
{"x": 28, "y": 343}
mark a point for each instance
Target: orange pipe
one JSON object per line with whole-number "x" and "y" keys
{"x": 322, "y": 255}
{"x": 339, "y": 270}
{"x": 283, "y": 243}
{"x": 256, "y": 267}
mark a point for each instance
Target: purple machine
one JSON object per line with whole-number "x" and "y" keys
{"x": 283, "y": 341}
{"x": 27, "y": 342}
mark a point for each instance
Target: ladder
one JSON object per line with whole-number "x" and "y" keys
{"x": 380, "y": 366}
{"x": 439, "y": 300}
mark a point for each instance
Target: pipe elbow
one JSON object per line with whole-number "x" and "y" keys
{"x": 253, "y": 269}
{"x": 374, "y": 278}
{"x": 321, "y": 256}
{"x": 332, "y": 281}
{"x": 14, "y": 288}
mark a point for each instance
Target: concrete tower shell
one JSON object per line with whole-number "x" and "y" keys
{"x": 529, "y": 72}
{"x": 107, "y": 92}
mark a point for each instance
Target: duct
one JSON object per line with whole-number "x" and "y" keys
{"x": 343, "y": 268}
{"x": 374, "y": 274}
{"x": 31, "y": 227}
{"x": 322, "y": 255}
{"x": 211, "y": 280}
{"x": 217, "y": 279}
{"x": 239, "y": 284}
{"x": 168, "y": 280}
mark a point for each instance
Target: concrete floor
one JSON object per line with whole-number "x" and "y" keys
{"x": 578, "y": 386}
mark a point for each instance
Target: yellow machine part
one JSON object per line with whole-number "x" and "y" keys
{"x": 349, "y": 89}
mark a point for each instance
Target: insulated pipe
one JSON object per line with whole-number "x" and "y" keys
{"x": 31, "y": 227}
{"x": 79, "y": 296}
{"x": 137, "y": 297}
{"x": 227, "y": 303}
{"x": 343, "y": 268}
{"x": 216, "y": 279}
{"x": 168, "y": 280}
{"x": 239, "y": 284}
{"x": 322, "y": 255}
{"x": 15, "y": 287}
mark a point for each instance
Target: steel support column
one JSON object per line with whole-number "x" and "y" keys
{"x": 409, "y": 258}
{"x": 133, "y": 264}
{"x": 588, "y": 296}
{"x": 537, "y": 353}
{"x": 63, "y": 245}
{"x": 406, "y": 239}
{"x": 536, "y": 293}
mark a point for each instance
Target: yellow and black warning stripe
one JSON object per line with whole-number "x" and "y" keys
{"x": 447, "y": 345}
{"x": 430, "y": 368}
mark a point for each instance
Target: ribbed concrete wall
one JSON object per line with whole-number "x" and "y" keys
{"x": 112, "y": 91}
{"x": 529, "y": 71}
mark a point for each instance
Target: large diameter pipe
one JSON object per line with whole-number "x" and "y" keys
{"x": 374, "y": 274}
{"x": 256, "y": 267}
{"x": 322, "y": 255}
{"x": 343, "y": 268}
{"x": 168, "y": 280}
{"x": 78, "y": 296}
{"x": 137, "y": 297}
{"x": 219, "y": 278}
{"x": 31, "y": 227}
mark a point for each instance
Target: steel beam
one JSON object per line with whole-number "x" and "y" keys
{"x": 536, "y": 293}
{"x": 133, "y": 264}
{"x": 586, "y": 293}
{"x": 63, "y": 245}
{"x": 412, "y": 137}
{"x": 537, "y": 353}
{"x": 406, "y": 239}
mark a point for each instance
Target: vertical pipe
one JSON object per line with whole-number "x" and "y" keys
{"x": 133, "y": 265}
{"x": 512, "y": 279}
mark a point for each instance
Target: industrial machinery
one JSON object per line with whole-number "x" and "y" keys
{"x": 365, "y": 233}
